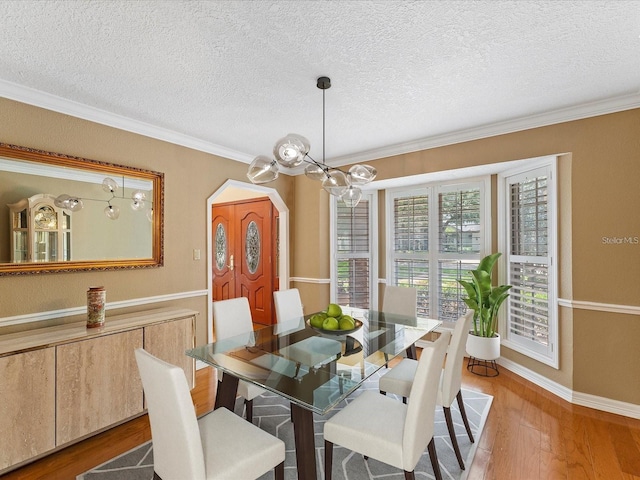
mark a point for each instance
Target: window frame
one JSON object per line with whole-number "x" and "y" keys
{"x": 433, "y": 256}
{"x": 372, "y": 197}
{"x": 548, "y": 166}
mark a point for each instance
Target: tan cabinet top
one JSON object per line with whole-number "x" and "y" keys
{"x": 13, "y": 343}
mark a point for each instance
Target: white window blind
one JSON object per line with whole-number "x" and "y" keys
{"x": 353, "y": 272}
{"x": 531, "y": 318}
{"x": 438, "y": 235}
{"x": 459, "y": 221}
{"x": 411, "y": 246}
{"x": 459, "y": 245}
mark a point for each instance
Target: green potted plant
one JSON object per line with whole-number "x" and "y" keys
{"x": 485, "y": 301}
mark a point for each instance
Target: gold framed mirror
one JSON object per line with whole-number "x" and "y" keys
{"x": 60, "y": 213}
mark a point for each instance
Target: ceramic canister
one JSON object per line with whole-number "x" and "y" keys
{"x": 96, "y": 299}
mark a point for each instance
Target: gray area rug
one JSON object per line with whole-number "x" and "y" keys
{"x": 271, "y": 412}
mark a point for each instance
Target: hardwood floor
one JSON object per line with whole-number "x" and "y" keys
{"x": 530, "y": 434}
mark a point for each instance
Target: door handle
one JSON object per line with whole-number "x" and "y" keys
{"x": 230, "y": 263}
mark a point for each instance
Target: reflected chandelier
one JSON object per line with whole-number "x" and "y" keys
{"x": 292, "y": 150}
{"x": 112, "y": 211}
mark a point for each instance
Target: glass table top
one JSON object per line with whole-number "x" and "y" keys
{"x": 313, "y": 369}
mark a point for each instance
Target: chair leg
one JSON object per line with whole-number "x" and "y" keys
{"x": 248, "y": 404}
{"x": 434, "y": 459}
{"x": 464, "y": 415}
{"x": 278, "y": 471}
{"x": 409, "y": 475}
{"x": 452, "y": 434}
{"x": 328, "y": 459}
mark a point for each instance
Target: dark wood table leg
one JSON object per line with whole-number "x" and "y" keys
{"x": 227, "y": 391}
{"x": 411, "y": 352}
{"x": 305, "y": 442}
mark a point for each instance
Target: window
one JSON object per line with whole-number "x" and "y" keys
{"x": 354, "y": 269}
{"x": 528, "y": 219}
{"x": 410, "y": 240}
{"x": 437, "y": 234}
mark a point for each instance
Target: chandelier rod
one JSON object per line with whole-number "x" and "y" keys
{"x": 323, "y": 84}
{"x": 323, "y": 126}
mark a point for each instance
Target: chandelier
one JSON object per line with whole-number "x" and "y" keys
{"x": 293, "y": 150}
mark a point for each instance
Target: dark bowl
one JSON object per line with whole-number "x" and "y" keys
{"x": 336, "y": 332}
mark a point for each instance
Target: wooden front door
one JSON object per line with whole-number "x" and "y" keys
{"x": 243, "y": 260}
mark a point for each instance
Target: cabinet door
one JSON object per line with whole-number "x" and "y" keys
{"x": 98, "y": 384}
{"x": 168, "y": 341}
{"x": 27, "y": 405}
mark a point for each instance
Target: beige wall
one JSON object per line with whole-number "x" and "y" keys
{"x": 599, "y": 197}
{"x": 190, "y": 178}
{"x": 599, "y": 173}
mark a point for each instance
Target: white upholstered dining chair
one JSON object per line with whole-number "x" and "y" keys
{"x": 399, "y": 380}
{"x": 388, "y": 430}
{"x": 232, "y": 317}
{"x": 400, "y": 301}
{"x": 311, "y": 351}
{"x": 219, "y": 445}
{"x": 288, "y": 305}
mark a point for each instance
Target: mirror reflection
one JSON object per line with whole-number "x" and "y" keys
{"x": 68, "y": 213}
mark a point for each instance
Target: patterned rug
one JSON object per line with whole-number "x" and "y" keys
{"x": 271, "y": 412}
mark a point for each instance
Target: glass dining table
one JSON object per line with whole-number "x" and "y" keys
{"x": 315, "y": 370}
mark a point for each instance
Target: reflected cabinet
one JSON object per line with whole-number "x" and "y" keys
{"x": 40, "y": 231}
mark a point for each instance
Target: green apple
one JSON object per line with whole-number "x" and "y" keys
{"x": 334, "y": 310}
{"x": 347, "y": 323}
{"x": 330, "y": 323}
{"x": 317, "y": 319}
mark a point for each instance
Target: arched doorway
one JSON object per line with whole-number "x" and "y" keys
{"x": 234, "y": 191}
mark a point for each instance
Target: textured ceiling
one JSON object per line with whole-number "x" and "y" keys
{"x": 231, "y": 77}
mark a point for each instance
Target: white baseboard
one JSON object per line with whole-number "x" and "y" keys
{"x": 607, "y": 405}
{"x": 577, "y": 398}
{"x": 200, "y": 365}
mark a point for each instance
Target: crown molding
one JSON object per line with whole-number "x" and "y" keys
{"x": 47, "y": 101}
{"x": 578, "y": 112}
{"x": 568, "y": 114}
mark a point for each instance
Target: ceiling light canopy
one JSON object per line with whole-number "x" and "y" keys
{"x": 293, "y": 150}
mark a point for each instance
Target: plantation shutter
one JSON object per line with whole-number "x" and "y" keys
{"x": 459, "y": 247}
{"x": 353, "y": 254}
{"x": 529, "y": 261}
{"x": 410, "y": 261}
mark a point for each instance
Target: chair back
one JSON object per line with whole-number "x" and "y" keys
{"x": 400, "y": 300}
{"x": 232, "y": 317}
{"x": 452, "y": 372}
{"x": 419, "y": 427}
{"x": 177, "y": 448}
{"x": 288, "y": 305}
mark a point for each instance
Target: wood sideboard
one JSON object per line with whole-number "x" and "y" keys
{"x": 61, "y": 384}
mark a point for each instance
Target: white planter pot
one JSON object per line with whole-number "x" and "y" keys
{"x": 483, "y": 348}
